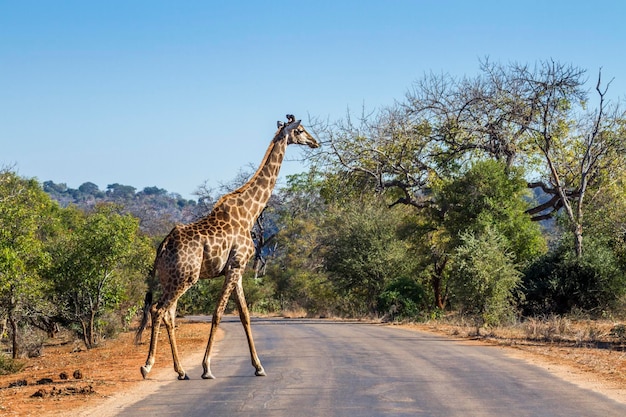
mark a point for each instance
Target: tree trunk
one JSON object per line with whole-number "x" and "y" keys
{"x": 576, "y": 221}
{"x": 578, "y": 236}
{"x": 3, "y": 328}
{"x": 92, "y": 329}
{"x": 13, "y": 324}
{"x": 437, "y": 282}
{"x": 86, "y": 340}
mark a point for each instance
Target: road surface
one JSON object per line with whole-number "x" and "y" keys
{"x": 327, "y": 368}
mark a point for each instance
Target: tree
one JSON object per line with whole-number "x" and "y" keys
{"x": 362, "y": 254}
{"x": 580, "y": 151}
{"x": 385, "y": 151}
{"x": 91, "y": 264}
{"x": 25, "y": 213}
{"x": 409, "y": 161}
{"x": 396, "y": 156}
{"x": 485, "y": 196}
{"x": 296, "y": 274}
{"x": 90, "y": 189}
{"x": 154, "y": 191}
{"x": 605, "y": 218}
{"x": 51, "y": 187}
{"x": 119, "y": 191}
{"x": 532, "y": 116}
{"x": 481, "y": 115}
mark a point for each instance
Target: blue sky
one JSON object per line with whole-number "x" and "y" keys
{"x": 173, "y": 94}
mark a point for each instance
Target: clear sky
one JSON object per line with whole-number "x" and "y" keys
{"x": 175, "y": 93}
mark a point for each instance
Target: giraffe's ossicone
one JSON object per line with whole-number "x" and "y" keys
{"x": 219, "y": 244}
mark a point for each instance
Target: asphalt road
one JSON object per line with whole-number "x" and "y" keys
{"x": 325, "y": 368}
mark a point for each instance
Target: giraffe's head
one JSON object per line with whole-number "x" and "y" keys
{"x": 294, "y": 132}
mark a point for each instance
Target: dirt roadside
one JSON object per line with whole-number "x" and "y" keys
{"x": 109, "y": 376}
{"x": 69, "y": 378}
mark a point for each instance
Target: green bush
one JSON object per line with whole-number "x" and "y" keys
{"x": 402, "y": 299}
{"x": 559, "y": 282}
{"x": 9, "y": 365}
{"x": 485, "y": 278}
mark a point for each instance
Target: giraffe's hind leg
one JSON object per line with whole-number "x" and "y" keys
{"x": 157, "y": 316}
{"x": 169, "y": 319}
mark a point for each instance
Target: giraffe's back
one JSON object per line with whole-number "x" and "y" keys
{"x": 199, "y": 250}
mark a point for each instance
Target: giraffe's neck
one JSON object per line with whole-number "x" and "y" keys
{"x": 255, "y": 193}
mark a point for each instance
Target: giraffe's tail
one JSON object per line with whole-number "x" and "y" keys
{"x": 145, "y": 316}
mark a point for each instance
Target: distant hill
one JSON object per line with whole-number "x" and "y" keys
{"x": 157, "y": 209}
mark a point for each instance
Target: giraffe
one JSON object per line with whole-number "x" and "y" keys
{"x": 219, "y": 244}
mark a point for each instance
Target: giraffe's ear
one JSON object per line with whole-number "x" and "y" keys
{"x": 279, "y": 124}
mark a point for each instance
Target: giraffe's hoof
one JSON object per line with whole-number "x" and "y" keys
{"x": 183, "y": 377}
{"x": 260, "y": 372}
{"x": 208, "y": 375}
{"x": 144, "y": 371}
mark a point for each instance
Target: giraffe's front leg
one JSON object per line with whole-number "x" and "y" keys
{"x": 206, "y": 363}
{"x": 244, "y": 316}
{"x": 169, "y": 318}
{"x": 217, "y": 316}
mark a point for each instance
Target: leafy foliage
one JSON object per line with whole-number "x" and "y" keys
{"x": 9, "y": 365}
{"x": 489, "y": 196}
{"x": 485, "y": 277}
{"x": 297, "y": 274}
{"x": 560, "y": 282}
{"x": 403, "y": 298}
{"x": 24, "y": 225}
{"x": 92, "y": 263}
{"x": 362, "y": 254}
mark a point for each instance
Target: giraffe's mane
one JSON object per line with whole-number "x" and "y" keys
{"x": 249, "y": 183}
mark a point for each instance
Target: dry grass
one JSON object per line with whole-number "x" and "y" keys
{"x": 603, "y": 334}
{"x": 295, "y": 314}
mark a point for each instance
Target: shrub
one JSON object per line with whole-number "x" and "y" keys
{"x": 402, "y": 299}
{"x": 559, "y": 282}
{"x": 9, "y": 365}
{"x": 484, "y": 278}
